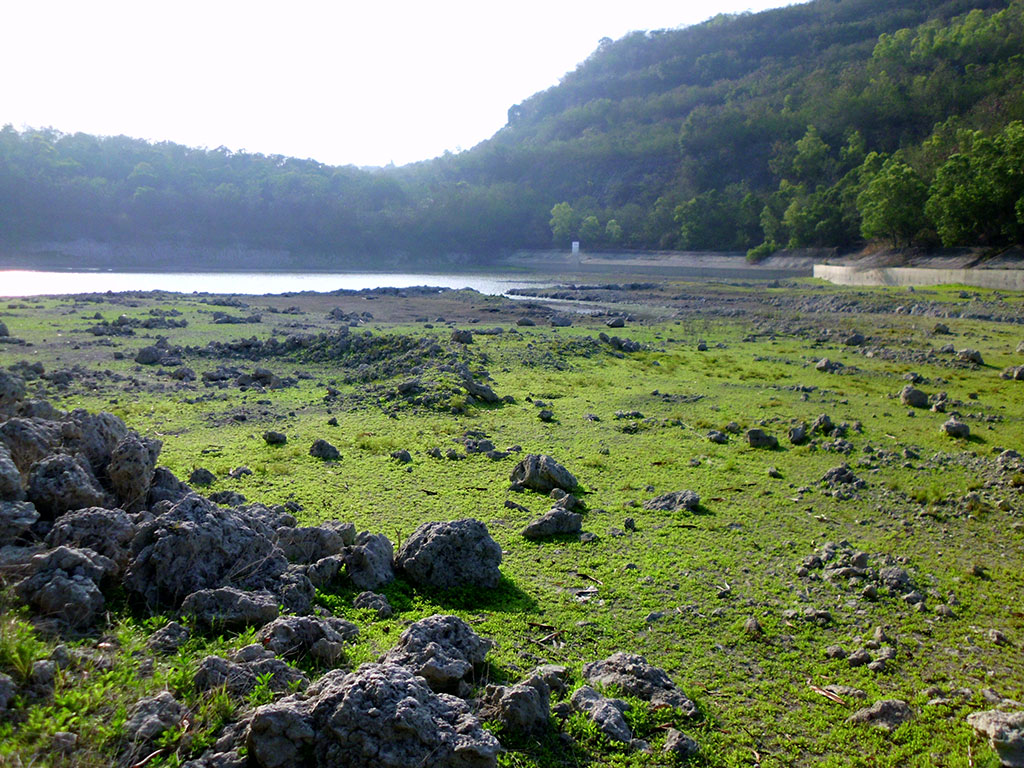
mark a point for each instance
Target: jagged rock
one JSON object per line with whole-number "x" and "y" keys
{"x": 323, "y": 639}
{"x": 168, "y": 639}
{"x": 227, "y": 608}
{"x": 443, "y": 650}
{"x": 798, "y": 434}
{"x": 970, "y": 356}
{"x": 149, "y": 355}
{"x": 16, "y": 518}
{"x": 371, "y": 601}
{"x": 1013, "y": 373}
{"x": 166, "y": 487}
{"x": 12, "y": 389}
{"x": 402, "y": 456}
{"x": 914, "y": 398}
{"x": 480, "y": 391}
{"x": 842, "y": 475}
{"x": 444, "y": 555}
{"x": 1005, "y": 732}
{"x": 886, "y": 714}
{"x": 380, "y": 716}
{"x": 30, "y": 440}
{"x": 64, "y": 584}
{"x": 368, "y": 561}
{"x": 239, "y": 678}
{"x": 10, "y": 477}
{"x": 717, "y": 437}
{"x": 108, "y": 532}
{"x": 679, "y": 744}
{"x": 542, "y": 473}
{"x": 632, "y": 674}
{"x": 201, "y": 476}
{"x": 271, "y": 437}
{"x": 60, "y": 483}
{"x": 828, "y": 366}
{"x": 321, "y": 449}
{"x": 558, "y": 520}
{"x": 460, "y": 336}
{"x": 675, "y": 501}
{"x": 152, "y": 716}
{"x": 94, "y": 436}
{"x": 131, "y": 467}
{"x": 956, "y": 428}
{"x": 854, "y": 340}
{"x": 228, "y": 498}
{"x": 308, "y": 545}
{"x": 607, "y": 714}
{"x": 524, "y": 708}
{"x": 324, "y": 571}
{"x": 197, "y": 545}
{"x": 758, "y": 438}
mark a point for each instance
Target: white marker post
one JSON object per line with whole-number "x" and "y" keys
{"x": 576, "y": 251}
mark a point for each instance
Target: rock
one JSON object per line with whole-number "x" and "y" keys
{"x": 616, "y": 322}
{"x": 525, "y": 322}
{"x": 558, "y": 520}
{"x": 679, "y": 744}
{"x": 752, "y": 627}
{"x": 150, "y": 717}
{"x": 16, "y": 518}
{"x": 1005, "y": 732}
{"x": 321, "y": 449}
{"x": 828, "y": 366}
{"x": 913, "y": 397}
{"x": 460, "y": 336}
{"x": 842, "y": 475}
{"x": 445, "y": 555}
{"x": 970, "y": 356}
{"x": 522, "y": 709}
{"x": 168, "y": 639}
{"x": 956, "y": 429}
{"x": 798, "y": 434}
{"x": 606, "y": 714}
{"x": 560, "y": 321}
{"x": 108, "y": 532}
{"x": 380, "y": 716}
{"x": 323, "y": 639}
{"x": 166, "y": 487}
{"x": 271, "y": 437}
{"x": 542, "y": 473}
{"x": 676, "y": 501}
{"x": 240, "y": 678}
{"x": 202, "y": 477}
{"x": 758, "y": 438}
{"x": 886, "y": 714}
{"x": 854, "y": 340}
{"x": 371, "y": 601}
{"x": 443, "y": 650}
{"x": 197, "y": 545}
{"x": 149, "y": 355}
{"x": 30, "y": 440}
{"x": 632, "y": 674}
{"x": 63, "y": 584}
{"x": 546, "y": 415}
{"x": 1013, "y": 373}
{"x": 368, "y": 561}
{"x": 10, "y": 477}
{"x": 940, "y": 329}
{"x": 131, "y": 467}
{"x": 12, "y": 390}
{"x": 402, "y": 456}
{"x": 229, "y": 609}
{"x": 8, "y": 690}
{"x": 715, "y": 436}
{"x": 309, "y": 545}
{"x": 60, "y": 483}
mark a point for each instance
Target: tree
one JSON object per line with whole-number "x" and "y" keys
{"x": 892, "y": 203}
{"x": 613, "y": 231}
{"x": 563, "y": 223}
{"x": 590, "y": 230}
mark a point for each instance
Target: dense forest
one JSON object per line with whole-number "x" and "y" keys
{"x": 828, "y": 124}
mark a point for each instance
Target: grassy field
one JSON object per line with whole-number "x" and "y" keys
{"x": 679, "y": 588}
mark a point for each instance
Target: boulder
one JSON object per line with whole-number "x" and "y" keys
{"x": 606, "y": 714}
{"x": 168, "y": 639}
{"x": 371, "y": 601}
{"x": 1005, "y": 733}
{"x": 94, "y": 436}
{"x": 323, "y": 639}
{"x": 445, "y": 555}
{"x": 542, "y": 473}
{"x": 368, "y": 561}
{"x": 241, "y": 677}
{"x": 197, "y": 545}
{"x": 523, "y": 709}
{"x": 913, "y": 397}
{"x": 108, "y": 532}
{"x": 1013, "y": 373}
{"x": 60, "y": 483}
{"x": 380, "y": 716}
{"x": 758, "y": 438}
{"x": 886, "y": 714}
{"x": 970, "y": 356}
{"x": 443, "y": 650}
{"x": 798, "y": 434}
{"x": 229, "y": 609}
{"x": 460, "y": 336}
{"x": 480, "y": 391}
{"x": 558, "y": 520}
{"x": 16, "y": 518}
{"x": 10, "y": 477}
{"x": 632, "y": 674}
{"x": 12, "y": 390}
{"x": 676, "y": 501}
{"x": 275, "y": 438}
{"x": 166, "y": 487}
{"x": 956, "y": 428}
{"x": 150, "y": 717}
{"x": 308, "y": 545}
{"x": 149, "y": 355}
{"x": 64, "y": 584}
{"x": 321, "y": 449}
{"x": 30, "y": 440}
{"x": 131, "y": 467}
{"x": 202, "y": 477}
{"x": 680, "y": 745}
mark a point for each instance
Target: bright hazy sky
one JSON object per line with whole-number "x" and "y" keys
{"x": 365, "y": 82}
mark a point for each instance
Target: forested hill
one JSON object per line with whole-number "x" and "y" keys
{"x": 820, "y": 125}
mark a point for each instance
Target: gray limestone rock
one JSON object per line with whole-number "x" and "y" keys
{"x": 371, "y": 601}
{"x": 912, "y": 397}
{"x": 64, "y": 585}
{"x": 131, "y": 467}
{"x": 229, "y": 609}
{"x": 321, "y": 449}
{"x": 152, "y": 716}
{"x": 444, "y": 555}
{"x": 7, "y": 691}
{"x": 676, "y": 501}
{"x": 166, "y": 487}
{"x": 106, "y": 531}
{"x": 168, "y": 639}
{"x": 30, "y": 440}
{"x": 324, "y": 639}
{"x": 558, "y": 520}
{"x": 632, "y": 674}
{"x": 679, "y": 744}
{"x": 368, "y": 561}
{"x": 10, "y": 478}
{"x": 542, "y": 473}
{"x": 524, "y": 708}
{"x": 758, "y": 438}
{"x": 444, "y": 650}
{"x": 956, "y": 428}
{"x": 308, "y": 545}
{"x": 12, "y": 389}
{"x": 886, "y": 714}
{"x": 241, "y": 677}
{"x": 16, "y": 517}
{"x": 60, "y": 483}
{"x": 1005, "y": 732}
{"x": 607, "y": 714}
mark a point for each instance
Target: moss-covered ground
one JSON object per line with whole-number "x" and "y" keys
{"x": 679, "y": 587}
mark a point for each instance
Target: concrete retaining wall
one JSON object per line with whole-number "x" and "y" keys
{"x": 1002, "y": 279}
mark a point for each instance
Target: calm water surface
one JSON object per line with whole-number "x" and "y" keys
{"x": 39, "y": 283}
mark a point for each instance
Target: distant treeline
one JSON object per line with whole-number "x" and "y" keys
{"x": 820, "y": 125}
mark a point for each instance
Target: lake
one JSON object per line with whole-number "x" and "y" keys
{"x": 40, "y": 283}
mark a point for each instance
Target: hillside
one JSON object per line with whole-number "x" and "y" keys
{"x": 824, "y": 124}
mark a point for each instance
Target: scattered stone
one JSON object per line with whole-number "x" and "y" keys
{"x": 202, "y": 477}
{"x": 462, "y": 336}
{"x": 443, "y": 650}
{"x": 886, "y": 714}
{"x": 63, "y": 584}
{"x": 680, "y": 745}
{"x": 255, "y": 666}
{"x": 446, "y": 555}
{"x": 616, "y": 322}
{"x": 558, "y": 520}
{"x": 970, "y": 356}
{"x": 108, "y": 532}
{"x": 371, "y": 601}
{"x": 226, "y": 608}
{"x": 542, "y": 473}
{"x": 16, "y": 518}
{"x": 758, "y": 438}
{"x": 61, "y": 483}
{"x": 632, "y": 674}
{"x": 322, "y": 639}
{"x": 606, "y": 714}
{"x": 676, "y": 501}
{"x": 168, "y": 639}
{"x": 321, "y": 449}
{"x": 828, "y": 366}
{"x": 842, "y": 475}
{"x": 798, "y": 434}
{"x": 956, "y": 429}
{"x": 368, "y": 561}
{"x": 131, "y": 468}
{"x": 854, "y": 340}
{"x": 523, "y": 709}
{"x": 715, "y": 436}
{"x": 752, "y": 627}
{"x": 275, "y": 438}
{"x": 311, "y": 544}
{"x": 1005, "y": 732}
{"x": 150, "y": 717}
{"x": 914, "y": 398}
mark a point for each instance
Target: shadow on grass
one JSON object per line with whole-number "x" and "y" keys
{"x": 505, "y": 598}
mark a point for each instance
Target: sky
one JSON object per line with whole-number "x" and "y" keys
{"x": 360, "y": 82}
